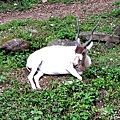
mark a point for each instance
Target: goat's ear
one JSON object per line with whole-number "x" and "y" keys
{"x": 89, "y": 46}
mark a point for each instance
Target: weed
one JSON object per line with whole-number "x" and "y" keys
{"x": 3, "y": 77}
{"x": 115, "y": 12}
{"x": 116, "y": 3}
{"x": 28, "y": 4}
{"x": 17, "y": 5}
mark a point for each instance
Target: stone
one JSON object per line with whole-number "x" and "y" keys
{"x": 101, "y": 37}
{"x": 63, "y": 42}
{"x": 117, "y": 30}
{"x": 15, "y": 45}
{"x": 34, "y": 31}
{"x": 108, "y": 39}
{"x": 109, "y": 44}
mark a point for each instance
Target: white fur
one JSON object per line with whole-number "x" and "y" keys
{"x": 87, "y": 61}
{"x": 53, "y": 60}
{"x": 89, "y": 46}
{"x": 77, "y": 58}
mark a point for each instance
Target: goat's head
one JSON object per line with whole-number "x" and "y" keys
{"x": 81, "y": 50}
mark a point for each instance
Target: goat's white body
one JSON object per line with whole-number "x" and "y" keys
{"x": 52, "y": 60}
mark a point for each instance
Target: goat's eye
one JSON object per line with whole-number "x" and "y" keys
{"x": 83, "y": 53}
{"x": 75, "y": 66}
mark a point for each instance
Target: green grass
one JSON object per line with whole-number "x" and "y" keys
{"x": 59, "y": 102}
{"x": 15, "y": 5}
{"x": 77, "y": 101}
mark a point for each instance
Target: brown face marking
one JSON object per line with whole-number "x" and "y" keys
{"x": 80, "y": 68}
{"x": 79, "y": 49}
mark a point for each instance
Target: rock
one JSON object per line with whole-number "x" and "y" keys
{"x": 63, "y": 42}
{"x": 15, "y": 45}
{"x": 109, "y": 44}
{"x": 108, "y": 39}
{"x": 34, "y": 31}
{"x": 117, "y": 30}
{"x": 102, "y": 37}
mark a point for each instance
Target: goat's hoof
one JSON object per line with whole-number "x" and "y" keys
{"x": 33, "y": 89}
{"x": 70, "y": 82}
{"x": 40, "y": 89}
{"x": 67, "y": 82}
{"x": 80, "y": 78}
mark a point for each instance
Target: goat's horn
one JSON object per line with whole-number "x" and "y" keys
{"x": 91, "y": 36}
{"x": 77, "y": 39}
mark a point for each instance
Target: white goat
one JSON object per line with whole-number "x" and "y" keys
{"x": 54, "y": 60}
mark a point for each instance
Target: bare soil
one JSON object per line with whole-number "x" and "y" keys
{"x": 47, "y": 10}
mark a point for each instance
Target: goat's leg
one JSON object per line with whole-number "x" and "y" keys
{"x": 36, "y": 79}
{"x": 74, "y": 73}
{"x": 30, "y": 77}
{"x": 32, "y": 83}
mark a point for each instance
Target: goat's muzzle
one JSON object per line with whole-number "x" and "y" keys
{"x": 80, "y": 68}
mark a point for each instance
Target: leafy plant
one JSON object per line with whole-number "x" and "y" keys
{"x": 15, "y": 5}
{"x": 116, "y": 3}
{"x": 3, "y": 77}
{"x": 115, "y": 12}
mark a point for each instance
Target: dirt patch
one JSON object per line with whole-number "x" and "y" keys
{"x": 22, "y": 73}
{"x": 47, "y": 10}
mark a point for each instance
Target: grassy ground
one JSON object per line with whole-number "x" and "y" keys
{"x": 96, "y": 97}
{"x": 15, "y": 5}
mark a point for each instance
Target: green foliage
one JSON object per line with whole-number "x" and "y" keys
{"x": 64, "y": 102}
{"x": 15, "y": 5}
{"x": 115, "y": 12}
{"x": 13, "y": 60}
{"x": 3, "y": 77}
{"x": 116, "y": 3}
